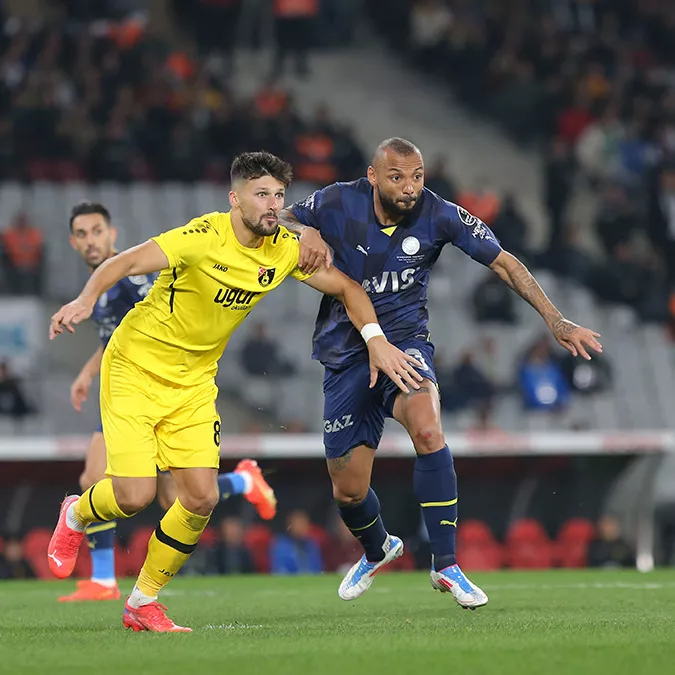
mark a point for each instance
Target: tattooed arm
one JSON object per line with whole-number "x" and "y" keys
{"x": 314, "y": 251}
{"x": 571, "y": 336}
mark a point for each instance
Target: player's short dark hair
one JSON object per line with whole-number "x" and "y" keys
{"x": 87, "y": 208}
{"x": 252, "y": 165}
{"x": 398, "y": 145}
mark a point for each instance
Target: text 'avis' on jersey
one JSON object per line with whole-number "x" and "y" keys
{"x": 392, "y": 264}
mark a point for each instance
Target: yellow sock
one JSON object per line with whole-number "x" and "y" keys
{"x": 98, "y": 504}
{"x": 170, "y": 545}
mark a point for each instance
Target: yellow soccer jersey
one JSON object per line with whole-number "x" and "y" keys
{"x": 181, "y": 329}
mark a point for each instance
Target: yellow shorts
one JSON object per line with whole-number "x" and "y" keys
{"x": 150, "y": 423}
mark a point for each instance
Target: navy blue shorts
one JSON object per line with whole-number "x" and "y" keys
{"x": 354, "y": 414}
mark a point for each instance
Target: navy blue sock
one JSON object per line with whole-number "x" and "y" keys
{"x": 101, "y": 542}
{"x": 365, "y": 523}
{"x": 231, "y": 484}
{"x": 435, "y": 484}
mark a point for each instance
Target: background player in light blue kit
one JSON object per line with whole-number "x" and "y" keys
{"x": 386, "y": 232}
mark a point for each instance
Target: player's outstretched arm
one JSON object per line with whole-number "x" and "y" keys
{"x": 142, "y": 259}
{"x": 399, "y": 366}
{"x": 79, "y": 390}
{"x": 314, "y": 251}
{"x": 572, "y": 337}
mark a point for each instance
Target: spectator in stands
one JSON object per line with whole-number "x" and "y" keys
{"x": 661, "y": 217}
{"x": 608, "y": 549}
{"x": 230, "y": 555}
{"x": 343, "y": 549}
{"x": 293, "y": 24}
{"x": 569, "y": 258}
{"x": 23, "y": 254}
{"x": 467, "y": 386}
{"x": 430, "y": 22}
{"x": 511, "y": 228}
{"x": 261, "y": 357}
{"x": 558, "y": 183}
{"x": 597, "y": 148}
{"x": 482, "y": 202}
{"x": 587, "y": 377}
{"x": 541, "y": 380}
{"x": 616, "y": 218}
{"x": 13, "y": 402}
{"x": 13, "y": 562}
{"x": 437, "y": 178}
{"x": 492, "y": 301}
{"x": 296, "y": 552}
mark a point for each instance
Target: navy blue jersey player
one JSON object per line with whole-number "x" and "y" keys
{"x": 93, "y": 236}
{"x": 387, "y": 231}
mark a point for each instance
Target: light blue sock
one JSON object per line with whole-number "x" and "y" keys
{"x": 101, "y": 541}
{"x": 231, "y": 484}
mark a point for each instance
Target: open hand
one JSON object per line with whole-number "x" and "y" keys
{"x": 399, "y": 366}
{"x": 314, "y": 251}
{"x": 79, "y": 390}
{"x": 68, "y": 316}
{"x": 576, "y": 338}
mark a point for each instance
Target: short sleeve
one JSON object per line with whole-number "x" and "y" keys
{"x": 468, "y": 233}
{"x": 187, "y": 245}
{"x": 293, "y": 252}
{"x": 308, "y": 211}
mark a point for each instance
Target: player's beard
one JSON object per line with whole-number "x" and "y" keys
{"x": 396, "y": 209}
{"x": 261, "y": 228}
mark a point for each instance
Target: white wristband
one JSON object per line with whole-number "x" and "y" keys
{"x": 371, "y": 330}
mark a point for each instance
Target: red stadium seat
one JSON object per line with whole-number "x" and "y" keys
{"x": 528, "y": 546}
{"x": 35, "y": 545}
{"x": 474, "y": 531}
{"x": 572, "y": 542}
{"x": 258, "y": 539}
{"x": 480, "y": 556}
{"x": 209, "y": 537}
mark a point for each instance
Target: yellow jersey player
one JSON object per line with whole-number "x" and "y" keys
{"x": 158, "y": 390}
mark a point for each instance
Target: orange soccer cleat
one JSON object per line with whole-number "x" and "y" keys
{"x": 261, "y": 494}
{"x": 152, "y": 618}
{"x": 89, "y": 590}
{"x": 64, "y": 544}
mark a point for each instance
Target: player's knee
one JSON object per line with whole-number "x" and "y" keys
{"x": 349, "y": 495}
{"x": 202, "y": 504}
{"x": 133, "y": 499}
{"x": 427, "y": 439}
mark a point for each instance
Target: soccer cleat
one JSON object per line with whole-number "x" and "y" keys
{"x": 360, "y": 577}
{"x": 261, "y": 494}
{"x": 453, "y": 580}
{"x": 64, "y": 544}
{"x": 89, "y": 590}
{"x": 151, "y": 617}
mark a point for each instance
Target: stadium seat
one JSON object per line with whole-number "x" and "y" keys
{"x": 474, "y": 532}
{"x": 35, "y": 545}
{"x": 480, "y": 556}
{"x": 572, "y": 542}
{"x": 258, "y": 539}
{"x": 528, "y": 546}
{"x": 209, "y": 537}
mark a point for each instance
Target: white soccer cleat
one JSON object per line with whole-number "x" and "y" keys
{"x": 453, "y": 580}
{"x": 360, "y": 577}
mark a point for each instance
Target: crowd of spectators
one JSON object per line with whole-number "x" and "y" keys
{"x": 589, "y": 83}
{"x": 84, "y": 99}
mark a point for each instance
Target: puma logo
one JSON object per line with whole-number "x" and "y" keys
{"x": 451, "y": 523}
{"x": 55, "y": 559}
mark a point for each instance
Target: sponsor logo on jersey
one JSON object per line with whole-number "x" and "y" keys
{"x": 266, "y": 275}
{"x": 410, "y": 245}
{"x": 234, "y": 298}
{"x": 390, "y": 281}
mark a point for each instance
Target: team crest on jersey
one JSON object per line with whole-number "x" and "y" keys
{"x": 266, "y": 275}
{"x": 466, "y": 217}
{"x": 410, "y": 245}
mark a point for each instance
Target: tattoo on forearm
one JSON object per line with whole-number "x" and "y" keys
{"x": 414, "y": 392}
{"x": 291, "y": 223}
{"x": 523, "y": 283}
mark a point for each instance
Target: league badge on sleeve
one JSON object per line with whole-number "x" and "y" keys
{"x": 265, "y": 275}
{"x": 466, "y": 217}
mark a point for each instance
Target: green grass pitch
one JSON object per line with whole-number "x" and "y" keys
{"x": 551, "y": 623}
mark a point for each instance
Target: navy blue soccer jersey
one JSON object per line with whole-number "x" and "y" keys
{"x": 113, "y": 305}
{"x": 392, "y": 263}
